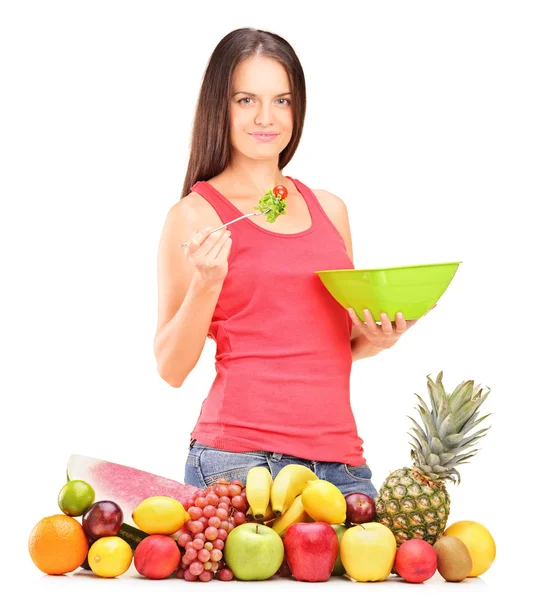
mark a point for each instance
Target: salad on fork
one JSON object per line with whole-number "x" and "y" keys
{"x": 272, "y": 205}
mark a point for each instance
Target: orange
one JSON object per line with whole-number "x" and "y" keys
{"x": 58, "y": 545}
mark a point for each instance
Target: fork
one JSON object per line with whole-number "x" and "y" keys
{"x": 254, "y": 214}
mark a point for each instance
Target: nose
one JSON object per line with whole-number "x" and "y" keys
{"x": 265, "y": 115}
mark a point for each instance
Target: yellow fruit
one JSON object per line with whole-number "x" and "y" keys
{"x": 160, "y": 514}
{"x": 287, "y": 485}
{"x": 479, "y": 542}
{"x": 295, "y": 514}
{"x": 368, "y": 551}
{"x": 323, "y": 501}
{"x": 110, "y": 556}
{"x": 258, "y": 490}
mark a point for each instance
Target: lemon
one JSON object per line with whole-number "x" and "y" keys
{"x": 160, "y": 515}
{"x": 75, "y": 497}
{"x": 479, "y": 542}
{"x": 323, "y": 501}
{"x": 110, "y": 556}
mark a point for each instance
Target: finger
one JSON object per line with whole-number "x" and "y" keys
{"x": 401, "y": 324}
{"x": 221, "y": 245}
{"x": 370, "y": 323}
{"x": 220, "y": 238}
{"x": 354, "y": 317}
{"x": 386, "y": 325}
{"x": 196, "y": 240}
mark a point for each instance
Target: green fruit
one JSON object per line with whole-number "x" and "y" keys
{"x": 75, "y": 497}
{"x": 338, "y": 568}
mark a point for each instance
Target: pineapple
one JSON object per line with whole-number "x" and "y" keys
{"x": 413, "y": 501}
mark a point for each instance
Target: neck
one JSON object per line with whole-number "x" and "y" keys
{"x": 255, "y": 177}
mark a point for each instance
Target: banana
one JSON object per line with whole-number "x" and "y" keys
{"x": 288, "y": 484}
{"x": 268, "y": 516}
{"x": 258, "y": 490}
{"x": 160, "y": 514}
{"x": 295, "y": 514}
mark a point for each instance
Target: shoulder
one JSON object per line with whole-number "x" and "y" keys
{"x": 331, "y": 202}
{"x": 336, "y": 210}
{"x": 192, "y": 208}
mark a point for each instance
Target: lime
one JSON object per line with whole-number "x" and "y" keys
{"x": 110, "y": 556}
{"x": 75, "y": 497}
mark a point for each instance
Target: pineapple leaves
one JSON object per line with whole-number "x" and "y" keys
{"x": 433, "y": 460}
{"x": 425, "y": 406}
{"x": 453, "y": 439}
{"x": 446, "y": 457}
{"x": 446, "y": 426}
{"x": 438, "y": 397}
{"x": 427, "y": 420}
{"x": 461, "y": 395}
{"x": 436, "y": 445}
{"x": 471, "y": 423}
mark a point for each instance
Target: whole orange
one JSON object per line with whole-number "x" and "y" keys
{"x": 58, "y": 545}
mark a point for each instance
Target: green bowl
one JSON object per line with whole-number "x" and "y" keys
{"x": 411, "y": 290}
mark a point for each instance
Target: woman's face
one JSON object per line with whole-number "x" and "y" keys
{"x": 261, "y": 101}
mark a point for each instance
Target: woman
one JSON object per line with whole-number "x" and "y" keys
{"x": 284, "y": 345}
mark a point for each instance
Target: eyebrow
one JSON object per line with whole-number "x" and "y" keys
{"x": 255, "y": 96}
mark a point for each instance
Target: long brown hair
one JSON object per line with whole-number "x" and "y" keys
{"x": 210, "y": 150}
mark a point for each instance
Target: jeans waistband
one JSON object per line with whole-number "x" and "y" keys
{"x": 274, "y": 456}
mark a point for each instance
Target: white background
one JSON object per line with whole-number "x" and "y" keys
{"x": 421, "y": 116}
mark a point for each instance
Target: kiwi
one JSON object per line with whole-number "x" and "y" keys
{"x": 454, "y": 562}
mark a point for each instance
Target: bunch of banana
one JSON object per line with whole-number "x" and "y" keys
{"x": 268, "y": 516}
{"x": 295, "y": 514}
{"x": 258, "y": 491}
{"x": 288, "y": 484}
{"x": 277, "y": 503}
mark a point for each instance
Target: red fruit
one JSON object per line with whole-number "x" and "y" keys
{"x": 157, "y": 556}
{"x": 281, "y": 191}
{"x": 416, "y": 561}
{"x": 102, "y": 519}
{"x": 360, "y": 508}
{"x": 311, "y": 550}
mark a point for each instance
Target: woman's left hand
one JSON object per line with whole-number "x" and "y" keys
{"x": 385, "y": 335}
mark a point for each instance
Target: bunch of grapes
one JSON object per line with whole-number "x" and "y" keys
{"x": 214, "y": 512}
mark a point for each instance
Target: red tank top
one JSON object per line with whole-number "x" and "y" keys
{"x": 283, "y": 356}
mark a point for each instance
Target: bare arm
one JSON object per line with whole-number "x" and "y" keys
{"x": 187, "y": 295}
{"x": 180, "y": 342}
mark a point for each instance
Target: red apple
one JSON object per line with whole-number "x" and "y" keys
{"x": 311, "y": 550}
{"x": 360, "y": 508}
{"x": 416, "y": 561}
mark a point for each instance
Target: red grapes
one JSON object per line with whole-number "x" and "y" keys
{"x": 214, "y": 512}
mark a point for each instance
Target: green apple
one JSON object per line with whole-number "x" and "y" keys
{"x": 338, "y": 568}
{"x": 253, "y": 551}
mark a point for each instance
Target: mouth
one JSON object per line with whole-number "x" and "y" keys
{"x": 264, "y": 136}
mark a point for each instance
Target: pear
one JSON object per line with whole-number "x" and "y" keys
{"x": 454, "y": 561}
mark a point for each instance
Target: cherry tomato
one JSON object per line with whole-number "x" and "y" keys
{"x": 281, "y": 191}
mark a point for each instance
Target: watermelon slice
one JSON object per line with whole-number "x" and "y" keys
{"x": 125, "y": 485}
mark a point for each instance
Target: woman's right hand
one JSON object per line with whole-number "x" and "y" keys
{"x": 209, "y": 254}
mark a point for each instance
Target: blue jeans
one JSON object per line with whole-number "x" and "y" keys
{"x": 205, "y": 465}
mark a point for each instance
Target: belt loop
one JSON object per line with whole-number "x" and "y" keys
{"x": 275, "y": 456}
{"x": 192, "y": 444}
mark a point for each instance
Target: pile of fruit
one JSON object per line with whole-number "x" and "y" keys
{"x": 296, "y": 525}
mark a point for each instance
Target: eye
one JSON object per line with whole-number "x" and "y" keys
{"x": 286, "y": 100}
